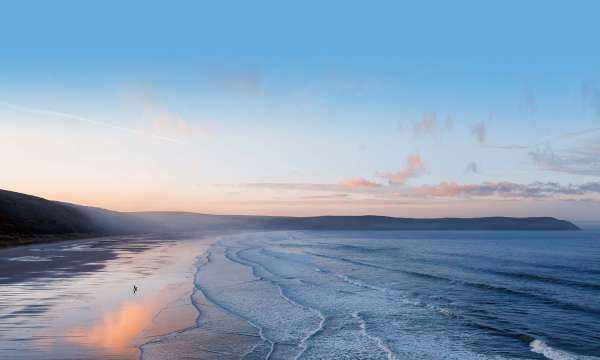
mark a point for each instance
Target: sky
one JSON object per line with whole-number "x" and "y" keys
{"x": 421, "y": 109}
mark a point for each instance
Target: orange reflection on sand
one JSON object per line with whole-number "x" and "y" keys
{"x": 117, "y": 330}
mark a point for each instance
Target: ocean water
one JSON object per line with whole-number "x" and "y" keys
{"x": 394, "y": 295}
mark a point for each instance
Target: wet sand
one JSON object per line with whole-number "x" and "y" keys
{"x": 75, "y": 300}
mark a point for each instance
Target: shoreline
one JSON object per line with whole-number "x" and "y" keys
{"x": 217, "y": 332}
{"x": 216, "y": 295}
{"x": 86, "y": 287}
{"x": 263, "y": 284}
{"x": 9, "y": 241}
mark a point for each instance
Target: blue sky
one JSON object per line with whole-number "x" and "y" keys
{"x": 431, "y": 109}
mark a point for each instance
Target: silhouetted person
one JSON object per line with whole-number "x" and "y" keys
{"x": 135, "y": 289}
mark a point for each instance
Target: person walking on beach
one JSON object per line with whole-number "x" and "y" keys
{"x": 135, "y": 289}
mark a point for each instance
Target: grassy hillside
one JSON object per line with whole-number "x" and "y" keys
{"x": 29, "y": 219}
{"x": 26, "y": 214}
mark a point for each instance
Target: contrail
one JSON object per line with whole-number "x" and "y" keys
{"x": 74, "y": 117}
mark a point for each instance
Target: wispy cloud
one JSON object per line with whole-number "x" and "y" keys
{"x": 591, "y": 97}
{"x": 575, "y": 152}
{"x": 479, "y": 132}
{"x": 561, "y": 137}
{"x": 575, "y": 134}
{"x": 508, "y": 147}
{"x": 73, "y": 117}
{"x": 163, "y": 121}
{"x": 472, "y": 167}
{"x": 581, "y": 161}
{"x": 325, "y": 197}
{"x": 414, "y": 167}
{"x": 311, "y": 188}
{"x": 358, "y": 182}
{"x": 427, "y": 125}
{"x": 244, "y": 81}
{"x": 507, "y": 189}
{"x": 528, "y": 104}
{"x": 430, "y": 124}
{"x": 285, "y": 186}
{"x": 490, "y": 191}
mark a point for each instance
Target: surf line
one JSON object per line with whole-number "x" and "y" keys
{"x": 198, "y": 287}
{"x": 303, "y": 345}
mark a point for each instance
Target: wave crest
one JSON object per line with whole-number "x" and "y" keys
{"x": 540, "y": 347}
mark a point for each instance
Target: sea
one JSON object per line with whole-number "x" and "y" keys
{"x": 394, "y": 295}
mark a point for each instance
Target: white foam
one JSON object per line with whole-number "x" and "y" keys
{"x": 31, "y": 258}
{"x": 307, "y": 338}
{"x": 380, "y": 343}
{"x": 540, "y": 347}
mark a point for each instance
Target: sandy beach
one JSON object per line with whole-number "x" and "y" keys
{"x": 74, "y": 299}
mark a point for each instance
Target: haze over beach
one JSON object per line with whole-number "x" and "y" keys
{"x": 271, "y": 180}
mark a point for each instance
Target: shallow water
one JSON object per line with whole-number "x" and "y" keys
{"x": 396, "y": 295}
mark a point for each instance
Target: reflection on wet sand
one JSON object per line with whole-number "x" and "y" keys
{"x": 82, "y": 305}
{"x": 117, "y": 329}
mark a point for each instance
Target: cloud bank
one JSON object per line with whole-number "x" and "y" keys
{"x": 507, "y": 189}
{"x": 490, "y": 190}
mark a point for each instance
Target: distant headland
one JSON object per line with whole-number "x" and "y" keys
{"x": 28, "y": 219}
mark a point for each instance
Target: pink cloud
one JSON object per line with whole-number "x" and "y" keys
{"x": 356, "y": 183}
{"x": 163, "y": 121}
{"x": 444, "y": 189}
{"x": 490, "y": 190}
{"x": 325, "y": 197}
{"x": 414, "y": 166}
